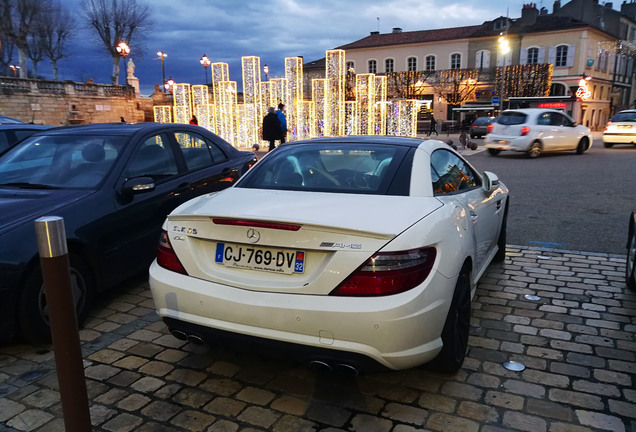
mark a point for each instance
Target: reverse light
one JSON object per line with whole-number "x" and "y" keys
{"x": 166, "y": 257}
{"x": 389, "y": 273}
{"x": 525, "y": 130}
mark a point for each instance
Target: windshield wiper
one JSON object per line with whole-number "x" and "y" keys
{"x": 25, "y": 185}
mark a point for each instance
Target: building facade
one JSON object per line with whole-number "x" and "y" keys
{"x": 588, "y": 45}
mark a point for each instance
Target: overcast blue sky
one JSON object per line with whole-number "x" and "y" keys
{"x": 226, "y": 30}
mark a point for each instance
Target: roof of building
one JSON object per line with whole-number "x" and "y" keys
{"x": 543, "y": 23}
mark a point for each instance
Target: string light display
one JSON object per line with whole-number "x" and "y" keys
{"x": 162, "y": 114}
{"x": 327, "y": 114}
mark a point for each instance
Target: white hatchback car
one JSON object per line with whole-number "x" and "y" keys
{"x": 347, "y": 251}
{"x": 536, "y": 130}
{"x": 621, "y": 129}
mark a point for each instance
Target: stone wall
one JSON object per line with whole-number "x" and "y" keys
{"x": 65, "y": 103}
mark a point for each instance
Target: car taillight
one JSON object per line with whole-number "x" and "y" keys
{"x": 389, "y": 273}
{"x": 525, "y": 130}
{"x": 166, "y": 257}
{"x": 474, "y": 125}
{"x": 489, "y": 128}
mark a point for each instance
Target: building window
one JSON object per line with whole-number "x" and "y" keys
{"x": 557, "y": 90}
{"x": 411, "y": 64}
{"x": 482, "y": 59}
{"x": 350, "y": 66}
{"x": 373, "y": 66}
{"x": 456, "y": 61}
{"x": 561, "y": 59}
{"x": 533, "y": 56}
{"x": 430, "y": 63}
{"x": 389, "y": 66}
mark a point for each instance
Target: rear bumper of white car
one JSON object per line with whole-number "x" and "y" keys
{"x": 398, "y": 331}
{"x": 619, "y": 138}
{"x": 506, "y": 142}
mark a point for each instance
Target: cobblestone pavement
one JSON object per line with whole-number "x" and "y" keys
{"x": 576, "y": 341}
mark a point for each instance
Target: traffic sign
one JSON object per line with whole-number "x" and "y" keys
{"x": 495, "y": 100}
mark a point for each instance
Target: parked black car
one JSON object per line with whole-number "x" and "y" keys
{"x": 479, "y": 128}
{"x": 12, "y": 133}
{"x": 113, "y": 184}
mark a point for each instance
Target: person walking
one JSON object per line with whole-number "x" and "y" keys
{"x": 271, "y": 128}
{"x": 433, "y": 127}
{"x": 280, "y": 113}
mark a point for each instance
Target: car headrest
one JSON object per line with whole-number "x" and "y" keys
{"x": 93, "y": 153}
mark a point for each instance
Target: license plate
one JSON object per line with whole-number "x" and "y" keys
{"x": 273, "y": 260}
{"x": 624, "y": 126}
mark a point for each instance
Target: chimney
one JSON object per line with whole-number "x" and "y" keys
{"x": 529, "y": 14}
{"x": 609, "y": 5}
{"x": 557, "y": 6}
{"x": 374, "y": 33}
{"x": 397, "y": 30}
{"x": 629, "y": 9}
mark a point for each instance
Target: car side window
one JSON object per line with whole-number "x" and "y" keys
{"x": 450, "y": 174}
{"x": 153, "y": 158}
{"x": 198, "y": 151}
{"x": 544, "y": 119}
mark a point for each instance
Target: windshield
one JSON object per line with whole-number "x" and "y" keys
{"x": 60, "y": 161}
{"x": 342, "y": 168}
{"x": 629, "y": 116}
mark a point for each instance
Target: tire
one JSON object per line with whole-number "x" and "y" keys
{"x": 472, "y": 136}
{"x": 583, "y": 145}
{"x": 608, "y": 145}
{"x": 456, "y": 327}
{"x": 630, "y": 265}
{"x": 493, "y": 152}
{"x": 33, "y": 314}
{"x": 500, "y": 256}
{"x": 534, "y": 151}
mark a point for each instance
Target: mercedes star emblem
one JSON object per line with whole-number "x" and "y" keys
{"x": 253, "y": 236}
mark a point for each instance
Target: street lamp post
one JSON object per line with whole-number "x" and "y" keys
{"x": 123, "y": 49}
{"x": 504, "y": 48}
{"x": 205, "y": 62}
{"x": 266, "y": 71}
{"x": 162, "y": 55}
{"x": 168, "y": 84}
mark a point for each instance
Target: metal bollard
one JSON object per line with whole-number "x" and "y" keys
{"x": 51, "y": 238}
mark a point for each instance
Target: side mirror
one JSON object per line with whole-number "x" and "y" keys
{"x": 491, "y": 182}
{"x": 138, "y": 185}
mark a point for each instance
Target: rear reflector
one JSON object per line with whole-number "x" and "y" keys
{"x": 256, "y": 224}
{"x": 166, "y": 257}
{"x": 389, "y": 273}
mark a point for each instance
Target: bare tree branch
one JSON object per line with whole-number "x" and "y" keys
{"x": 16, "y": 19}
{"x": 55, "y": 30}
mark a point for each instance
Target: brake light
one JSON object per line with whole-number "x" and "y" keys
{"x": 256, "y": 224}
{"x": 525, "y": 130}
{"x": 389, "y": 273}
{"x": 489, "y": 128}
{"x": 474, "y": 125}
{"x": 166, "y": 257}
{"x": 608, "y": 123}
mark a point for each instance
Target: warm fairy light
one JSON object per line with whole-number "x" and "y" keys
{"x": 402, "y": 118}
{"x": 352, "y": 118}
{"x": 305, "y": 120}
{"x": 162, "y": 114}
{"x": 200, "y": 95}
{"x": 365, "y": 95}
{"x": 249, "y": 120}
{"x": 227, "y": 111}
{"x": 294, "y": 76}
{"x": 334, "y": 92}
{"x": 318, "y": 96}
{"x": 205, "y": 115}
{"x": 379, "y": 96}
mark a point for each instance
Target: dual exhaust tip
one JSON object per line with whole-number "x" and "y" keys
{"x": 315, "y": 365}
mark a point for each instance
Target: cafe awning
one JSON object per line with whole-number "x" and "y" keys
{"x": 469, "y": 108}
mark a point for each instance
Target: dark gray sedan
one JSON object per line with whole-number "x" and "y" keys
{"x": 479, "y": 128}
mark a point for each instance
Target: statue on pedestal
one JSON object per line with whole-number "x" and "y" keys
{"x": 131, "y": 68}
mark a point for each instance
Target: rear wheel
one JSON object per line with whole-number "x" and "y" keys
{"x": 535, "y": 150}
{"x": 455, "y": 332}
{"x": 494, "y": 152}
{"x": 33, "y": 309}
{"x": 583, "y": 145}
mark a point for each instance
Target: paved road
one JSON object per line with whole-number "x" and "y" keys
{"x": 576, "y": 342}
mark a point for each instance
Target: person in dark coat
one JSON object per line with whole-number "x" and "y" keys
{"x": 433, "y": 128}
{"x": 271, "y": 128}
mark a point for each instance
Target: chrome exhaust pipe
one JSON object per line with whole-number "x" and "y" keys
{"x": 195, "y": 339}
{"x": 179, "y": 334}
{"x": 346, "y": 369}
{"x": 319, "y": 366}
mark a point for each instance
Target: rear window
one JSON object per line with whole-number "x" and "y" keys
{"x": 340, "y": 168}
{"x": 483, "y": 120}
{"x": 624, "y": 117}
{"x": 512, "y": 118}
